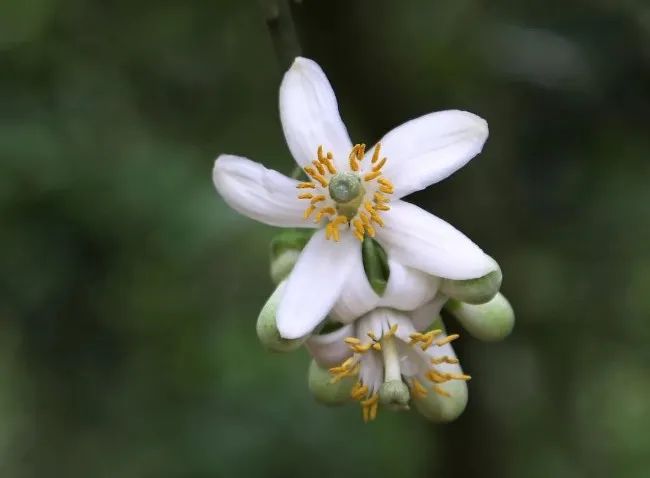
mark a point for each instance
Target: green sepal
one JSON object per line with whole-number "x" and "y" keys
{"x": 473, "y": 291}
{"x": 290, "y": 239}
{"x": 321, "y": 386}
{"x": 375, "y": 264}
{"x": 267, "y": 330}
{"x": 491, "y": 321}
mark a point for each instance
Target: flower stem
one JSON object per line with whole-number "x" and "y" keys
{"x": 283, "y": 31}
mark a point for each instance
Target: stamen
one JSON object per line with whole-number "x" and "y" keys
{"x": 444, "y": 359}
{"x": 351, "y": 340}
{"x": 324, "y": 212}
{"x": 382, "y": 207}
{"x": 356, "y": 155}
{"x": 375, "y": 154}
{"x": 306, "y": 186}
{"x": 446, "y": 340}
{"x": 369, "y": 407}
{"x": 370, "y": 230}
{"x": 386, "y": 189}
{"x": 359, "y": 391}
{"x": 372, "y": 175}
{"x": 458, "y": 376}
{"x": 308, "y": 211}
{"x": 316, "y": 199}
{"x": 426, "y": 340}
{"x": 436, "y": 376}
{"x": 319, "y": 166}
{"x": 305, "y": 196}
{"x": 316, "y": 175}
{"x": 380, "y": 165}
{"x": 417, "y": 389}
{"x": 379, "y": 197}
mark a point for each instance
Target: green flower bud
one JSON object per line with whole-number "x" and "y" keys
{"x": 267, "y": 330}
{"x": 282, "y": 265}
{"x": 439, "y": 408}
{"x": 285, "y": 250}
{"x": 473, "y": 291}
{"x": 491, "y": 321}
{"x": 326, "y": 392}
{"x": 395, "y": 395}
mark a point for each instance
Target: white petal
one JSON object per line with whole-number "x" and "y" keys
{"x": 424, "y": 316}
{"x": 357, "y": 297}
{"x": 408, "y": 288}
{"x": 315, "y": 283}
{"x": 310, "y": 114}
{"x": 330, "y": 350}
{"x": 420, "y": 240}
{"x": 259, "y": 193}
{"x": 426, "y": 150}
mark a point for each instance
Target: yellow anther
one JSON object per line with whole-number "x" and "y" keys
{"x": 364, "y": 218}
{"x": 369, "y": 407}
{"x": 372, "y": 335}
{"x": 371, "y": 176}
{"x": 436, "y": 376}
{"x": 375, "y": 153}
{"x": 316, "y": 175}
{"x": 359, "y": 391}
{"x": 446, "y": 340}
{"x": 444, "y": 359}
{"x": 319, "y": 166}
{"x": 358, "y": 235}
{"x": 379, "y": 165}
{"x": 391, "y": 331}
{"x": 308, "y": 211}
{"x": 305, "y": 196}
{"x": 358, "y": 225}
{"x": 370, "y": 230}
{"x": 385, "y": 182}
{"x": 441, "y": 391}
{"x": 369, "y": 207}
{"x": 417, "y": 389}
{"x": 458, "y": 376}
{"x": 326, "y": 161}
{"x": 379, "y": 197}
{"x": 306, "y": 186}
{"x": 376, "y": 346}
{"x": 356, "y": 155}
{"x": 377, "y": 219}
{"x": 316, "y": 199}
{"x": 382, "y": 207}
{"x": 425, "y": 340}
{"x": 324, "y": 212}
{"x": 361, "y": 349}
{"x": 351, "y": 340}
{"x": 386, "y": 189}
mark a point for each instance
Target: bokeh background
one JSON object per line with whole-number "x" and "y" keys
{"x": 129, "y": 291}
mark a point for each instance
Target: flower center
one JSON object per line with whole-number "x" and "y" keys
{"x": 350, "y": 198}
{"x": 393, "y": 387}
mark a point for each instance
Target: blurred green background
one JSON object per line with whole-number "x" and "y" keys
{"x": 129, "y": 291}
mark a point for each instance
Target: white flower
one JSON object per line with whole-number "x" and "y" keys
{"x": 352, "y": 193}
{"x": 388, "y": 351}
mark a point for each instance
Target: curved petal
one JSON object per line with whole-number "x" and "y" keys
{"x": 259, "y": 193}
{"x": 420, "y": 240}
{"x": 408, "y": 288}
{"x": 310, "y": 114}
{"x": 314, "y": 284}
{"x": 426, "y": 150}
{"x": 357, "y": 297}
{"x": 424, "y": 316}
{"x": 330, "y": 350}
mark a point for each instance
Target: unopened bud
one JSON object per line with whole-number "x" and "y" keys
{"x": 473, "y": 291}
{"x": 267, "y": 330}
{"x": 491, "y": 321}
{"x": 324, "y": 390}
{"x": 440, "y": 408}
